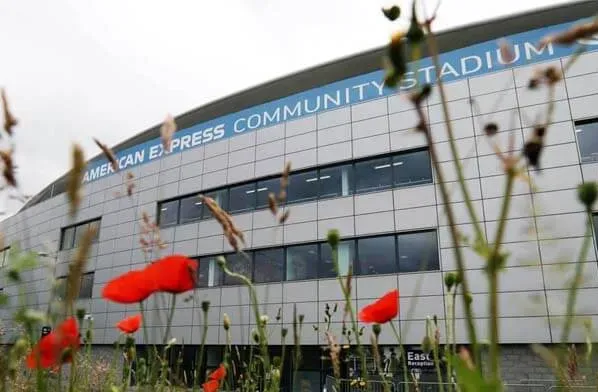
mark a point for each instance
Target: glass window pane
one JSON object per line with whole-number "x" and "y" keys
{"x": 376, "y": 255}
{"x": 169, "y": 213}
{"x": 241, "y": 198}
{"x": 373, "y": 175}
{"x": 79, "y": 233}
{"x": 209, "y": 273}
{"x": 264, "y": 188}
{"x": 238, "y": 263}
{"x": 68, "y": 236}
{"x": 95, "y": 225}
{"x": 418, "y": 252}
{"x": 595, "y": 229}
{"x": 336, "y": 181}
{"x": 587, "y": 138}
{"x": 221, "y": 197}
{"x": 302, "y": 262}
{"x": 86, "y": 285}
{"x": 268, "y": 265}
{"x": 413, "y": 168}
{"x": 346, "y": 257}
{"x": 303, "y": 187}
{"x": 190, "y": 209}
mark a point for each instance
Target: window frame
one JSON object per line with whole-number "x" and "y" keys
{"x": 579, "y": 123}
{"x": 84, "y": 224}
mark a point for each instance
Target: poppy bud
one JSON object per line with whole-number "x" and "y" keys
{"x": 333, "y": 238}
{"x": 14, "y": 275}
{"x": 284, "y": 332}
{"x": 80, "y": 314}
{"x": 226, "y": 322}
{"x": 205, "y": 306}
{"x": 264, "y": 319}
{"x": 450, "y": 280}
{"x": 392, "y": 13}
{"x": 256, "y": 337}
{"x": 415, "y": 34}
{"x": 426, "y": 344}
{"x": 532, "y": 151}
{"x": 221, "y": 261}
{"x": 587, "y": 193}
{"x": 540, "y": 131}
{"x": 396, "y": 55}
{"x": 376, "y": 328}
{"x": 468, "y": 298}
{"x": 316, "y": 328}
{"x": 88, "y": 335}
{"x": 301, "y": 318}
{"x": 491, "y": 129}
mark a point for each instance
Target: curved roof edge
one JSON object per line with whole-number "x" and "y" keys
{"x": 349, "y": 66}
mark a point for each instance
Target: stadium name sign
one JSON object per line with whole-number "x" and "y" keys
{"x": 466, "y": 62}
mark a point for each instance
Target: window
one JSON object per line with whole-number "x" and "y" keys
{"x": 4, "y": 256}
{"x": 373, "y": 175}
{"x": 220, "y": 197}
{"x": 587, "y": 139}
{"x": 376, "y": 255}
{"x": 241, "y": 198}
{"x": 268, "y": 265}
{"x": 596, "y": 229}
{"x": 240, "y": 264}
{"x": 264, "y": 188}
{"x": 336, "y": 181}
{"x": 68, "y": 238}
{"x": 209, "y": 273}
{"x": 418, "y": 252}
{"x": 85, "y": 286}
{"x": 302, "y": 262}
{"x": 346, "y": 258}
{"x": 71, "y": 236}
{"x": 413, "y": 168}
{"x": 190, "y": 209}
{"x": 303, "y": 187}
{"x": 169, "y": 213}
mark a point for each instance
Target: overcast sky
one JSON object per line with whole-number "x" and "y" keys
{"x": 77, "y": 69}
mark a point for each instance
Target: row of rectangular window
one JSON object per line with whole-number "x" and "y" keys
{"x": 4, "y": 256}
{"x": 587, "y": 139}
{"x": 398, "y": 170}
{"x": 71, "y": 236}
{"x": 387, "y": 254}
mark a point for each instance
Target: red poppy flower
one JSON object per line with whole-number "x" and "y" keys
{"x": 173, "y": 274}
{"x": 48, "y": 352}
{"x": 218, "y": 374}
{"x": 383, "y": 310}
{"x": 211, "y": 386}
{"x": 129, "y": 324}
{"x": 128, "y": 288}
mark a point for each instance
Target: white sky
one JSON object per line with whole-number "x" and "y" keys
{"x": 77, "y": 69}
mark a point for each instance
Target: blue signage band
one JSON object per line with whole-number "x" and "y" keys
{"x": 475, "y": 60}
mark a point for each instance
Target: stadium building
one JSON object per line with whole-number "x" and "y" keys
{"x": 358, "y": 166}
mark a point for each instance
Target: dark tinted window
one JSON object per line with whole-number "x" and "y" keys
{"x": 190, "y": 209}
{"x": 220, "y": 197}
{"x": 86, "y": 288}
{"x": 264, "y": 188}
{"x": 376, "y": 255}
{"x": 373, "y": 175}
{"x": 68, "y": 238}
{"x": 302, "y": 262}
{"x": 303, "y": 187}
{"x": 169, "y": 212}
{"x": 336, "y": 181}
{"x": 346, "y": 258}
{"x": 413, "y": 168}
{"x": 596, "y": 229}
{"x": 587, "y": 139}
{"x": 237, "y": 262}
{"x": 268, "y": 265}
{"x": 418, "y": 252}
{"x": 209, "y": 273}
{"x": 241, "y": 198}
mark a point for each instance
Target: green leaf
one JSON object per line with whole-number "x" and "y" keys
{"x": 4, "y": 299}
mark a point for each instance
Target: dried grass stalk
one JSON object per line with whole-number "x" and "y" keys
{"x": 230, "y": 230}
{"x": 167, "y": 129}
{"x": 569, "y": 37}
{"x": 108, "y": 153}
{"x": 9, "y": 120}
{"x": 335, "y": 350}
{"x": 73, "y": 189}
{"x": 77, "y": 266}
{"x": 130, "y": 184}
{"x": 8, "y": 172}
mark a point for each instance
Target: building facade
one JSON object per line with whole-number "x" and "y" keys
{"x": 358, "y": 166}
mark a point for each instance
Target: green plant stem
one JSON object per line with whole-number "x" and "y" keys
{"x": 494, "y": 263}
{"x": 572, "y": 297}
{"x": 73, "y": 371}
{"x": 349, "y": 306}
{"x": 437, "y": 366}
{"x": 403, "y": 355}
{"x": 170, "y": 316}
{"x": 143, "y": 323}
{"x": 204, "y": 335}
